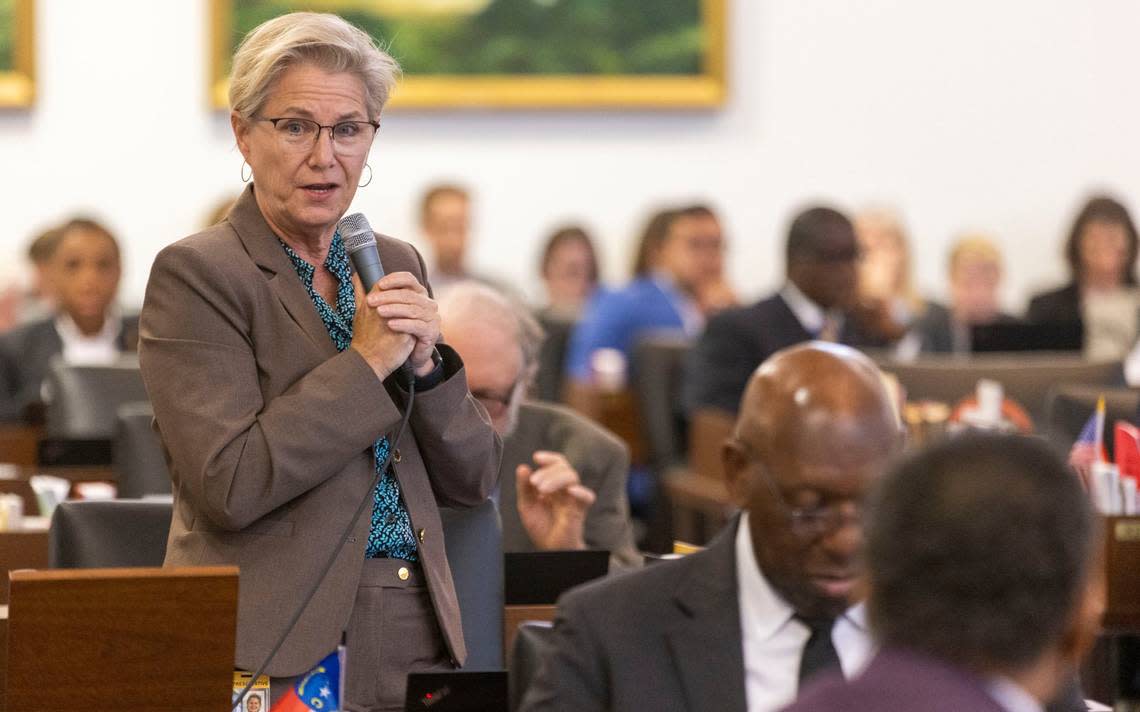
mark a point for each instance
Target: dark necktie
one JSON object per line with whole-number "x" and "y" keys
{"x": 819, "y": 653}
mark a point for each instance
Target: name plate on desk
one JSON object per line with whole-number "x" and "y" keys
{"x": 1122, "y": 568}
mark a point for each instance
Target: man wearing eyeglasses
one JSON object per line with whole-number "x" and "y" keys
{"x": 774, "y": 600}
{"x": 562, "y": 480}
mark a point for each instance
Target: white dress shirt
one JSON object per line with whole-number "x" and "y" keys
{"x": 811, "y": 316}
{"x": 82, "y": 350}
{"x": 1011, "y": 696}
{"x": 774, "y": 640}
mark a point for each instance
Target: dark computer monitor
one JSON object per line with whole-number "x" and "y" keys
{"x": 1027, "y": 336}
{"x": 536, "y": 578}
{"x": 456, "y": 692}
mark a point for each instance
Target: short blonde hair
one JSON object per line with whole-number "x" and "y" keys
{"x": 974, "y": 247}
{"x": 320, "y": 39}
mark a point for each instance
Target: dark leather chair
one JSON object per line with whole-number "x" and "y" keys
{"x": 1069, "y": 408}
{"x": 108, "y": 534}
{"x": 549, "y": 380}
{"x": 531, "y": 643}
{"x": 474, "y": 541}
{"x": 137, "y": 455}
{"x": 83, "y": 399}
{"x": 656, "y": 369}
{"x": 1026, "y": 377}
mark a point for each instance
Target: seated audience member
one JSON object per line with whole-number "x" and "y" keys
{"x": 983, "y": 590}
{"x": 1101, "y": 252}
{"x": 884, "y": 276}
{"x": 815, "y": 303}
{"x": 562, "y": 478}
{"x": 682, "y": 257}
{"x": 19, "y": 303}
{"x": 727, "y": 628}
{"x": 975, "y": 271}
{"x": 83, "y": 275}
{"x": 569, "y": 270}
{"x": 445, "y": 222}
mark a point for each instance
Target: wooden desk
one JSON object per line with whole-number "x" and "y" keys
{"x": 146, "y": 639}
{"x": 514, "y": 616}
{"x": 23, "y": 549}
{"x": 19, "y": 444}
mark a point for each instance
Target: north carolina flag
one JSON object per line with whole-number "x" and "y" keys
{"x": 319, "y": 690}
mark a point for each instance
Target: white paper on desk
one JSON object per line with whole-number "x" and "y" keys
{"x": 1096, "y": 706}
{"x": 50, "y": 491}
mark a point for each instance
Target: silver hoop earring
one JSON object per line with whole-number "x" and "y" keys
{"x": 245, "y": 178}
{"x": 369, "y": 176}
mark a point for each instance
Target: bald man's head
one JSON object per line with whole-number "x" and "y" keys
{"x": 815, "y": 431}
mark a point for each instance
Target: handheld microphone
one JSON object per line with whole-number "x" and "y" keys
{"x": 360, "y": 242}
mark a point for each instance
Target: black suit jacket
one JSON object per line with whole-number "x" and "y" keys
{"x": 739, "y": 339}
{"x": 1062, "y": 304}
{"x": 666, "y": 638}
{"x": 24, "y": 355}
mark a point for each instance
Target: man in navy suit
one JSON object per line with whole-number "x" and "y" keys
{"x": 984, "y": 593}
{"x": 815, "y": 303}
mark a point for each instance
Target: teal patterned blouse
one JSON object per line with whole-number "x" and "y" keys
{"x": 390, "y": 535}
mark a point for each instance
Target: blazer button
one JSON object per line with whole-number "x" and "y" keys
{"x": 403, "y": 573}
{"x": 420, "y": 534}
{"x": 396, "y": 456}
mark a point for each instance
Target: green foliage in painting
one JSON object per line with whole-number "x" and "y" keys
{"x": 525, "y": 37}
{"x": 7, "y": 35}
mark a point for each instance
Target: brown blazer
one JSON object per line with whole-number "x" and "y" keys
{"x": 269, "y": 432}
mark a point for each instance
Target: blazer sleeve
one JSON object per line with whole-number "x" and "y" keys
{"x": 235, "y": 455}
{"x": 608, "y": 524}
{"x": 459, "y": 446}
{"x": 572, "y": 676}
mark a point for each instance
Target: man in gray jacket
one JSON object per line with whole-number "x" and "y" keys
{"x": 562, "y": 477}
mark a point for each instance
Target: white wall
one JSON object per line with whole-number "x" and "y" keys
{"x": 990, "y": 114}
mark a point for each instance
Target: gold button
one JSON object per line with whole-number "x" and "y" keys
{"x": 396, "y": 456}
{"x": 420, "y": 533}
{"x": 403, "y": 573}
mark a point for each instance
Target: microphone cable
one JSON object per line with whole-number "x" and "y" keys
{"x": 340, "y": 545}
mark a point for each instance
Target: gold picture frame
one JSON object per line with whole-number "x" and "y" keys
{"x": 704, "y": 90}
{"x": 18, "y": 82}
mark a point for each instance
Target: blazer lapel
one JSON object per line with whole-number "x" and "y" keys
{"x": 263, "y": 247}
{"x": 705, "y": 643}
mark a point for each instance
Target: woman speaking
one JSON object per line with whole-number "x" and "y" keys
{"x": 278, "y": 386}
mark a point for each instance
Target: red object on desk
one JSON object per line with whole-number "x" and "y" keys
{"x": 1126, "y": 448}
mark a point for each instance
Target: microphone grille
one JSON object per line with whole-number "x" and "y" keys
{"x": 356, "y": 232}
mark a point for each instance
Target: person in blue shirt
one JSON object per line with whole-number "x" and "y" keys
{"x": 678, "y": 278}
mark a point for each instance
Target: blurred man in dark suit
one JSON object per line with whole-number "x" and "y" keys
{"x": 983, "y": 589}
{"x": 816, "y": 302}
{"x": 774, "y": 600}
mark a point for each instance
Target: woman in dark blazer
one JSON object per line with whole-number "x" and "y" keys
{"x": 1101, "y": 252}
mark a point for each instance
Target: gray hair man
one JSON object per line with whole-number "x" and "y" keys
{"x": 562, "y": 476}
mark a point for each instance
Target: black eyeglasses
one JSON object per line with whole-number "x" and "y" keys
{"x": 809, "y": 523}
{"x": 348, "y": 137}
{"x": 496, "y": 403}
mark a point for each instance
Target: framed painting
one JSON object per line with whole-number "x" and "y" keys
{"x": 17, "y": 53}
{"x": 520, "y": 54}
